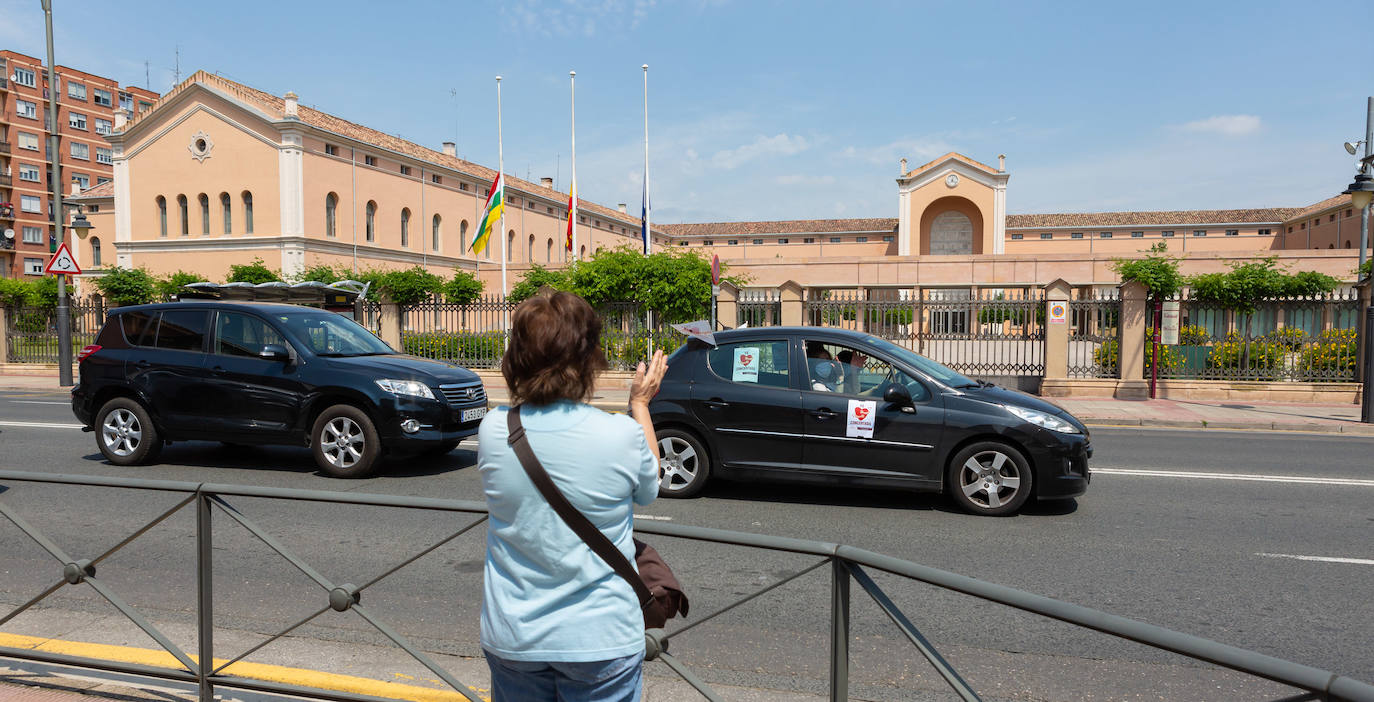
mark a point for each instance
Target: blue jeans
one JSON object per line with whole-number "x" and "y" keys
{"x": 615, "y": 680}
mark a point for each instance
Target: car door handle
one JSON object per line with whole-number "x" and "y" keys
{"x": 715, "y": 403}
{"x": 824, "y": 413}
{"x": 219, "y": 370}
{"x": 141, "y": 363}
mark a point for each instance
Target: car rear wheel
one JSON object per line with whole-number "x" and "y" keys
{"x": 990, "y": 478}
{"x": 345, "y": 442}
{"x": 684, "y": 462}
{"x": 125, "y": 433}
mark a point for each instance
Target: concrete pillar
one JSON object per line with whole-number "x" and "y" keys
{"x": 1056, "y": 333}
{"x": 1134, "y": 312}
{"x": 4, "y": 336}
{"x": 861, "y": 309}
{"x": 791, "y": 295}
{"x": 391, "y": 324}
{"x": 727, "y": 306}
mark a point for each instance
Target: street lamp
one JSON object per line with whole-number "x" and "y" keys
{"x": 1361, "y": 192}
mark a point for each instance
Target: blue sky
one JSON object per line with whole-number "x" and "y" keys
{"x": 799, "y": 110}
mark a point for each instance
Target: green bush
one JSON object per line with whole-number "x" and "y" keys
{"x": 1107, "y": 356}
{"x": 1290, "y": 338}
{"x": 1193, "y": 335}
{"x": 127, "y": 286}
{"x": 31, "y": 322}
{"x": 1257, "y": 355}
{"x": 463, "y": 288}
{"x": 461, "y": 347}
{"x": 1334, "y": 352}
{"x": 172, "y": 284}
{"x": 255, "y": 272}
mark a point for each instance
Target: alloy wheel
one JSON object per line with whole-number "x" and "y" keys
{"x": 121, "y": 432}
{"x": 989, "y": 479}
{"x": 342, "y": 442}
{"x": 680, "y": 464}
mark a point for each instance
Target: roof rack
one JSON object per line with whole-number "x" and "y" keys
{"x": 342, "y": 293}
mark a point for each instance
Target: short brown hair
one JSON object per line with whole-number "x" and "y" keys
{"x": 554, "y": 351}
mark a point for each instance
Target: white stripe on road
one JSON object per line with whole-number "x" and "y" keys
{"x": 1252, "y": 477}
{"x": 1323, "y": 559}
{"x": 38, "y": 402}
{"x": 40, "y": 425}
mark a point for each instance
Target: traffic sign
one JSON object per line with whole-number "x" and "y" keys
{"x": 62, "y": 262}
{"x": 715, "y": 269}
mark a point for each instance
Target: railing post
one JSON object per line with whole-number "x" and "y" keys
{"x": 727, "y": 305}
{"x": 391, "y": 324}
{"x": 4, "y": 336}
{"x": 1364, "y": 290}
{"x": 1056, "y": 331}
{"x": 790, "y": 294}
{"x": 839, "y": 631}
{"x": 1131, "y": 361}
{"x": 205, "y": 598}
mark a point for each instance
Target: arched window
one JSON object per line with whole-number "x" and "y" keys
{"x": 405, "y": 227}
{"x": 529, "y": 250}
{"x": 510, "y": 245}
{"x": 185, "y": 216}
{"x": 434, "y": 234}
{"x": 583, "y": 252}
{"x": 247, "y": 212}
{"x": 548, "y": 252}
{"x": 463, "y": 236}
{"x": 95, "y": 251}
{"x": 331, "y": 206}
{"x": 1347, "y": 243}
{"x": 204, "y": 214}
{"x": 228, "y": 216}
{"x": 371, "y": 221}
{"x": 162, "y": 215}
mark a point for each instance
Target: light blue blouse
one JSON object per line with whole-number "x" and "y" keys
{"x": 547, "y": 596}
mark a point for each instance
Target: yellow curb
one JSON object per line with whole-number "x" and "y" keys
{"x": 253, "y": 671}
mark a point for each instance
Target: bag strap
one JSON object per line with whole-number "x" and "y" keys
{"x": 575, "y": 520}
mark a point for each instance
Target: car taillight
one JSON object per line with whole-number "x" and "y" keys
{"x": 87, "y": 352}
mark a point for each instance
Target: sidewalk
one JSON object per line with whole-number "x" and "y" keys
{"x": 1094, "y": 411}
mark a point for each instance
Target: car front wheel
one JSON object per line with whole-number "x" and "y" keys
{"x": 345, "y": 442}
{"x": 125, "y": 433}
{"x": 990, "y": 478}
{"x": 684, "y": 463}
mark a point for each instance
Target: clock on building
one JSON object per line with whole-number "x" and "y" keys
{"x": 952, "y": 179}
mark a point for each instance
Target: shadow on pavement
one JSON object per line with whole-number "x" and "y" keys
{"x": 291, "y": 459}
{"x": 837, "y": 496}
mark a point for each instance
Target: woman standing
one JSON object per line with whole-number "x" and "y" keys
{"x": 557, "y": 622}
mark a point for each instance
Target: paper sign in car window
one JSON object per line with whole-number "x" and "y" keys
{"x": 746, "y": 365}
{"x": 860, "y": 420}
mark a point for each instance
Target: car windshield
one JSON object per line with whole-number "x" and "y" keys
{"x": 935, "y": 370}
{"x": 330, "y": 334}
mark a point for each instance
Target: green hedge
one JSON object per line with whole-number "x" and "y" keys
{"x": 484, "y": 347}
{"x": 1334, "y": 351}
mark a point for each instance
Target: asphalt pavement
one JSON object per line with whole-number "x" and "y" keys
{"x": 1258, "y": 539}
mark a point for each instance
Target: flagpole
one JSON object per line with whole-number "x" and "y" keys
{"x": 572, "y": 212}
{"x": 501, "y": 172}
{"x": 648, "y": 315}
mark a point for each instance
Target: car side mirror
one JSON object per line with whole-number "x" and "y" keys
{"x": 897, "y": 394}
{"x": 274, "y": 352}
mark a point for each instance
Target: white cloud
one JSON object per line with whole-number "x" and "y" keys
{"x": 573, "y": 17}
{"x": 1225, "y": 125}
{"x": 801, "y": 179}
{"x": 916, "y": 150}
{"x": 780, "y": 145}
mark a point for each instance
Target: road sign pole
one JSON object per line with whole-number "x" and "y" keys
{"x": 64, "y": 330}
{"x": 1367, "y": 401}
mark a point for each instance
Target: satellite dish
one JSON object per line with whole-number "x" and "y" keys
{"x": 9, "y": 233}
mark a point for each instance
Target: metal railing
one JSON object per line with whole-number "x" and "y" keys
{"x": 1095, "y": 336}
{"x": 847, "y": 566}
{"x": 32, "y": 331}
{"x": 757, "y": 308}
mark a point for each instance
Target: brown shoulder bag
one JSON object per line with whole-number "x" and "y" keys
{"x": 660, "y": 595}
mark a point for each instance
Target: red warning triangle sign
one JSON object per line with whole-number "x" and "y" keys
{"x": 62, "y": 262}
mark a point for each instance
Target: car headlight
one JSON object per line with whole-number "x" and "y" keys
{"x": 414, "y": 388}
{"x": 1043, "y": 419}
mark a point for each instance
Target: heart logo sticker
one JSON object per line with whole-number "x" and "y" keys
{"x": 745, "y": 359}
{"x": 861, "y": 412}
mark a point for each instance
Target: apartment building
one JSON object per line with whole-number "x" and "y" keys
{"x": 86, "y": 105}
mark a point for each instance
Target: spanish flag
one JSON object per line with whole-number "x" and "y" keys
{"x": 492, "y": 215}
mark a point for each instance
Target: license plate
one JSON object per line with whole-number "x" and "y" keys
{"x": 474, "y": 414}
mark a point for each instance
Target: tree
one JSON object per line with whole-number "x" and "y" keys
{"x": 463, "y": 288}
{"x": 534, "y": 279}
{"x": 1158, "y": 272}
{"x": 676, "y": 284}
{"x": 1365, "y": 271}
{"x": 406, "y": 288}
{"x": 320, "y": 274}
{"x": 127, "y": 286}
{"x": 16, "y": 293}
{"x": 255, "y": 272}
{"x": 172, "y": 284}
{"x": 1246, "y": 284}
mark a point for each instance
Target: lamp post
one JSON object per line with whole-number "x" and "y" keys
{"x": 1362, "y": 189}
{"x": 64, "y": 331}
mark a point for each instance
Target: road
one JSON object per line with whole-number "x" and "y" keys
{"x": 1259, "y": 540}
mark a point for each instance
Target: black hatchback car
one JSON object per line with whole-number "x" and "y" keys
{"x": 840, "y": 407}
{"x": 262, "y": 373}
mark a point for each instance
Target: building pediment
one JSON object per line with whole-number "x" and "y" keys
{"x": 963, "y": 168}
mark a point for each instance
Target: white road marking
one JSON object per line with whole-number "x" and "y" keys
{"x": 1323, "y": 559}
{"x": 40, "y": 425}
{"x": 1251, "y": 477}
{"x": 653, "y": 517}
{"x": 38, "y": 402}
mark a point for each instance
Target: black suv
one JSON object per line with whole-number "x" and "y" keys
{"x": 263, "y": 373}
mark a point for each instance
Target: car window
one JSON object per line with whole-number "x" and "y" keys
{"x": 181, "y": 330}
{"x": 239, "y": 334}
{"x": 330, "y": 334}
{"x": 140, "y": 328}
{"x": 752, "y": 363}
{"x": 848, "y": 370}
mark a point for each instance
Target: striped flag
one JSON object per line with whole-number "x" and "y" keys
{"x": 572, "y": 214}
{"x": 492, "y": 215}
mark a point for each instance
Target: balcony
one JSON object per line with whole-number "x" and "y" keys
{"x": 6, "y": 181}
{"x": 5, "y": 148}
{"x": 4, "y": 83}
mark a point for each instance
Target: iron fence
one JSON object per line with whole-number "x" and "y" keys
{"x": 847, "y": 566}
{"x": 758, "y": 308}
{"x": 32, "y": 331}
{"x": 1310, "y": 339}
{"x": 1095, "y": 335}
